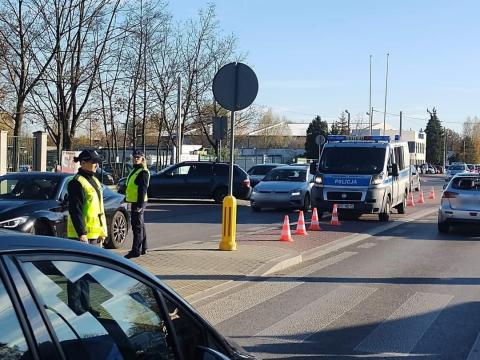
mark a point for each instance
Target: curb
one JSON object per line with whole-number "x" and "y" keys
{"x": 289, "y": 260}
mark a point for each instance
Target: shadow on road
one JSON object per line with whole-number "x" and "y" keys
{"x": 440, "y": 340}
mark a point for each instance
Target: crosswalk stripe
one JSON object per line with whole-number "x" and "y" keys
{"x": 317, "y": 315}
{"x": 475, "y": 351}
{"x": 221, "y": 309}
{"x": 402, "y": 330}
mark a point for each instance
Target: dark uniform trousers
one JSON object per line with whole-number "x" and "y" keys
{"x": 138, "y": 230}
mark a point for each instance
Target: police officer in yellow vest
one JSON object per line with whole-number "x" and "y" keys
{"x": 136, "y": 195}
{"x": 86, "y": 215}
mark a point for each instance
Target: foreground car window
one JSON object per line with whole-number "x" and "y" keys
{"x": 99, "y": 313}
{"x": 12, "y": 342}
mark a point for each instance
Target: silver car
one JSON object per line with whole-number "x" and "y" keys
{"x": 460, "y": 202}
{"x": 455, "y": 169}
{"x": 284, "y": 187}
{"x": 414, "y": 179}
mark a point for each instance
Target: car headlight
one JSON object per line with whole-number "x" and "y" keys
{"x": 296, "y": 192}
{"x": 13, "y": 223}
{"x": 318, "y": 180}
{"x": 377, "y": 179}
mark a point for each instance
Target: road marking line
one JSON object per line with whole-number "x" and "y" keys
{"x": 366, "y": 246}
{"x": 402, "y": 330}
{"x": 251, "y": 296}
{"x": 475, "y": 352}
{"x": 317, "y": 315}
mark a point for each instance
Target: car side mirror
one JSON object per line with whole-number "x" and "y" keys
{"x": 210, "y": 354}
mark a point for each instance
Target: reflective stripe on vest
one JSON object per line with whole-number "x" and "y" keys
{"x": 93, "y": 211}
{"x": 131, "y": 193}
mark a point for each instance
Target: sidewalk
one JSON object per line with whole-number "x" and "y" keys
{"x": 197, "y": 269}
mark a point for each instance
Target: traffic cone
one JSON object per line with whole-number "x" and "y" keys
{"x": 432, "y": 194}
{"x": 421, "y": 199}
{"x": 410, "y": 201}
{"x": 286, "y": 235}
{"x": 334, "y": 220}
{"x": 314, "y": 224}
{"x": 301, "y": 230}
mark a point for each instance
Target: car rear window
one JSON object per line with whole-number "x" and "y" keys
{"x": 457, "y": 167}
{"x": 464, "y": 183}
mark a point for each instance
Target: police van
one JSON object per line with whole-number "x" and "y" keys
{"x": 362, "y": 175}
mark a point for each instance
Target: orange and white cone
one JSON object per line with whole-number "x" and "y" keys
{"x": 314, "y": 224}
{"x": 421, "y": 199}
{"x": 301, "y": 230}
{"x": 286, "y": 235}
{"x": 334, "y": 220}
{"x": 431, "y": 196}
{"x": 411, "y": 201}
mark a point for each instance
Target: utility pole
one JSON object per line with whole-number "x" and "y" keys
{"x": 464, "y": 156}
{"x": 179, "y": 121}
{"x": 371, "y": 120}
{"x": 90, "y": 132}
{"x": 348, "y": 121}
{"x": 401, "y": 120}
{"x": 445, "y": 149}
{"x": 386, "y": 89}
{"x": 370, "y": 98}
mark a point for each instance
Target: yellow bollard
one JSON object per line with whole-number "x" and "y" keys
{"x": 229, "y": 224}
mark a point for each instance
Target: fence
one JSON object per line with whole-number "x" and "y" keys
{"x": 25, "y": 146}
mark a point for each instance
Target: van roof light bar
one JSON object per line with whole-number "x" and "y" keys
{"x": 367, "y": 138}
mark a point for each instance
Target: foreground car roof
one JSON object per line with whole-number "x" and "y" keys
{"x": 16, "y": 242}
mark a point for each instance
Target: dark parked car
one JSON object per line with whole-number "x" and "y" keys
{"x": 37, "y": 202}
{"x": 196, "y": 180}
{"x": 104, "y": 177}
{"x": 257, "y": 172}
{"x": 67, "y": 300}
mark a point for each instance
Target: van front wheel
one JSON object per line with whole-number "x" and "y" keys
{"x": 402, "y": 208}
{"x": 384, "y": 216}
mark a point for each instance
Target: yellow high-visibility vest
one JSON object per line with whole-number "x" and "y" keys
{"x": 93, "y": 211}
{"x": 131, "y": 193}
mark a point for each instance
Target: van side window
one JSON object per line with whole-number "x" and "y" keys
{"x": 399, "y": 158}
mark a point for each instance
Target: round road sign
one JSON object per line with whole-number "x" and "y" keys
{"x": 235, "y": 86}
{"x": 320, "y": 140}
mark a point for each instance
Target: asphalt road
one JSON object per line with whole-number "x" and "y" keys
{"x": 408, "y": 292}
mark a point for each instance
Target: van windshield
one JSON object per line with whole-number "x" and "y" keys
{"x": 352, "y": 160}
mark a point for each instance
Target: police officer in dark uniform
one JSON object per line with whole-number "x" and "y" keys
{"x": 86, "y": 215}
{"x": 136, "y": 194}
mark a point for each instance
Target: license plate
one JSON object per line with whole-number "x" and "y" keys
{"x": 345, "y": 206}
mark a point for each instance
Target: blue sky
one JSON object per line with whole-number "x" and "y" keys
{"x": 312, "y": 56}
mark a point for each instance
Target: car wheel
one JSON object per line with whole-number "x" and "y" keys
{"x": 255, "y": 208}
{"x": 41, "y": 228}
{"x": 306, "y": 203}
{"x": 118, "y": 231}
{"x": 402, "y": 208}
{"x": 384, "y": 216}
{"x": 219, "y": 194}
{"x": 443, "y": 227}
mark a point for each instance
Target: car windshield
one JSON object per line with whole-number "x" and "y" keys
{"x": 28, "y": 187}
{"x": 295, "y": 175}
{"x": 260, "y": 170}
{"x": 456, "y": 167}
{"x": 352, "y": 160}
{"x": 168, "y": 169}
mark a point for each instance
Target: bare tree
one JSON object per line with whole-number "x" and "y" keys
{"x": 26, "y": 54}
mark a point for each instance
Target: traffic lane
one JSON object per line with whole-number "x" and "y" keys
{"x": 417, "y": 291}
